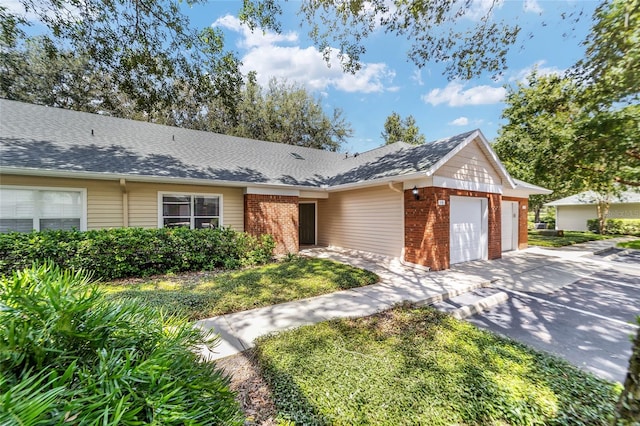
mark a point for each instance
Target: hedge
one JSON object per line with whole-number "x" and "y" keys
{"x": 129, "y": 252}
{"x": 616, "y": 226}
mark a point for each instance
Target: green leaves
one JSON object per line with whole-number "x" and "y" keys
{"x": 80, "y": 359}
{"x": 405, "y": 130}
{"x": 125, "y": 252}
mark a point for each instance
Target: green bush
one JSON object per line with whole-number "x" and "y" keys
{"x": 68, "y": 356}
{"x": 616, "y": 226}
{"x": 126, "y": 252}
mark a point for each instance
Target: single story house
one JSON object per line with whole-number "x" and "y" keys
{"x": 433, "y": 205}
{"x": 572, "y": 213}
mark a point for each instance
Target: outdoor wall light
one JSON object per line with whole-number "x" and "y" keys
{"x": 415, "y": 193}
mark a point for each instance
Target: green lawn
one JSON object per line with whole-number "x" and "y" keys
{"x": 570, "y": 237}
{"x": 203, "y": 295}
{"x": 635, "y": 244}
{"x": 412, "y": 366}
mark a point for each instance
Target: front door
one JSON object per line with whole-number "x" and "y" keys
{"x": 307, "y": 223}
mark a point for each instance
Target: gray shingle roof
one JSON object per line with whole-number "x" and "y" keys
{"x": 590, "y": 197}
{"x": 44, "y": 138}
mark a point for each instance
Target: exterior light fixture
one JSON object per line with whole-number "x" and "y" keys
{"x": 415, "y": 193}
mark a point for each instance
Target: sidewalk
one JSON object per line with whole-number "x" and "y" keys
{"x": 534, "y": 270}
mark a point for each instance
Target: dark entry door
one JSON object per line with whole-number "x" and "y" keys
{"x": 307, "y": 223}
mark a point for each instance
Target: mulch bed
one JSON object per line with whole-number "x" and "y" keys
{"x": 254, "y": 394}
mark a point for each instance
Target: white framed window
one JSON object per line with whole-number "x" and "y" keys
{"x": 24, "y": 209}
{"x": 194, "y": 211}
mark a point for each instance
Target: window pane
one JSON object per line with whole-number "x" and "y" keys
{"x": 17, "y": 203}
{"x": 176, "y": 210}
{"x": 176, "y": 222}
{"x": 176, "y": 198}
{"x": 204, "y": 223}
{"x": 207, "y": 206}
{"x": 16, "y": 225}
{"x": 59, "y": 224}
{"x": 60, "y": 204}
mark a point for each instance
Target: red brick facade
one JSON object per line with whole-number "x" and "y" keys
{"x": 426, "y": 226}
{"x": 276, "y": 215}
{"x": 523, "y": 235}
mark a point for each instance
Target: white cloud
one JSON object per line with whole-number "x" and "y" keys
{"x": 532, "y": 6}
{"x": 540, "y": 68}
{"x": 479, "y": 8}
{"x": 417, "y": 77}
{"x": 460, "y": 121}
{"x": 455, "y": 95}
{"x": 266, "y": 55}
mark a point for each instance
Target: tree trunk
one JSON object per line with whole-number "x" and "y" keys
{"x": 628, "y": 406}
{"x": 602, "y": 208}
{"x": 536, "y": 213}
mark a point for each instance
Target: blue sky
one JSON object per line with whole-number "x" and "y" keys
{"x": 389, "y": 82}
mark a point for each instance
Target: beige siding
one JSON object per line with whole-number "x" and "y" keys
{"x": 143, "y": 203}
{"x": 368, "y": 219}
{"x": 470, "y": 164}
{"x": 574, "y": 218}
{"x": 104, "y": 198}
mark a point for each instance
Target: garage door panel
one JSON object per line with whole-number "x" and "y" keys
{"x": 467, "y": 232}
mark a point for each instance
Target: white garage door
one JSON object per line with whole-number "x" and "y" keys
{"x": 468, "y": 229}
{"x": 509, "y": 225}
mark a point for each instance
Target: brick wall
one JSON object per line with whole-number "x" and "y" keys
{"x": 426, "y": 225}
{"x": 523, "y": 210}
{"x": 276, "y": 215}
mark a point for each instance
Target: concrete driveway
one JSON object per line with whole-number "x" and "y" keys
{"x": 588, "y": 322}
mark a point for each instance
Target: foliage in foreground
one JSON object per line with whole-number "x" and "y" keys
{"x": 203, "y": 296}
{"x": 69, "y": 356}
{"x": 628, "y": 406}
{"x": 635, "y": 244}
{"x": 419, "y": 366}
{"x": 127, "y": 252}
{"x": 569, "y": 238}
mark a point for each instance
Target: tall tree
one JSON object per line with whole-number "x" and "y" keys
{"x": 143, "y": 47}
{"x": 397, "y": 129}
{"x": 541, "y": 116}
{"x": 283, "y": 112}
{"x": 610, "y": 73}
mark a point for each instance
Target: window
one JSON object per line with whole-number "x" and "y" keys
{"x": 25, "y": 209}
{"x": 194, "y": 211}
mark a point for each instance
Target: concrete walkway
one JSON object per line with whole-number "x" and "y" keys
{"x": 534, "y": 270}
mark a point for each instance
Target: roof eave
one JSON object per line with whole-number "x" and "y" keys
{"x": 376, "y": 182}
{"x": 81, "y": 174}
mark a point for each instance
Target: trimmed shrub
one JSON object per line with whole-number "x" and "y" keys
{"x": 616, "y": 226}
{"x": 127, "y": 252}
{"x": 69, "y": 356}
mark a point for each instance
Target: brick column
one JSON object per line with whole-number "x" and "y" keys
{"x": 276, "y": 215}
{"x": 426, "y": 228}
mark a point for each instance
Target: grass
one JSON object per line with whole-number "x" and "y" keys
{"x": 635, "y": 244}
{"x": 411, "y": 366}
{"x": 569, "y": 238}
{"x": 204, "y": 295}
